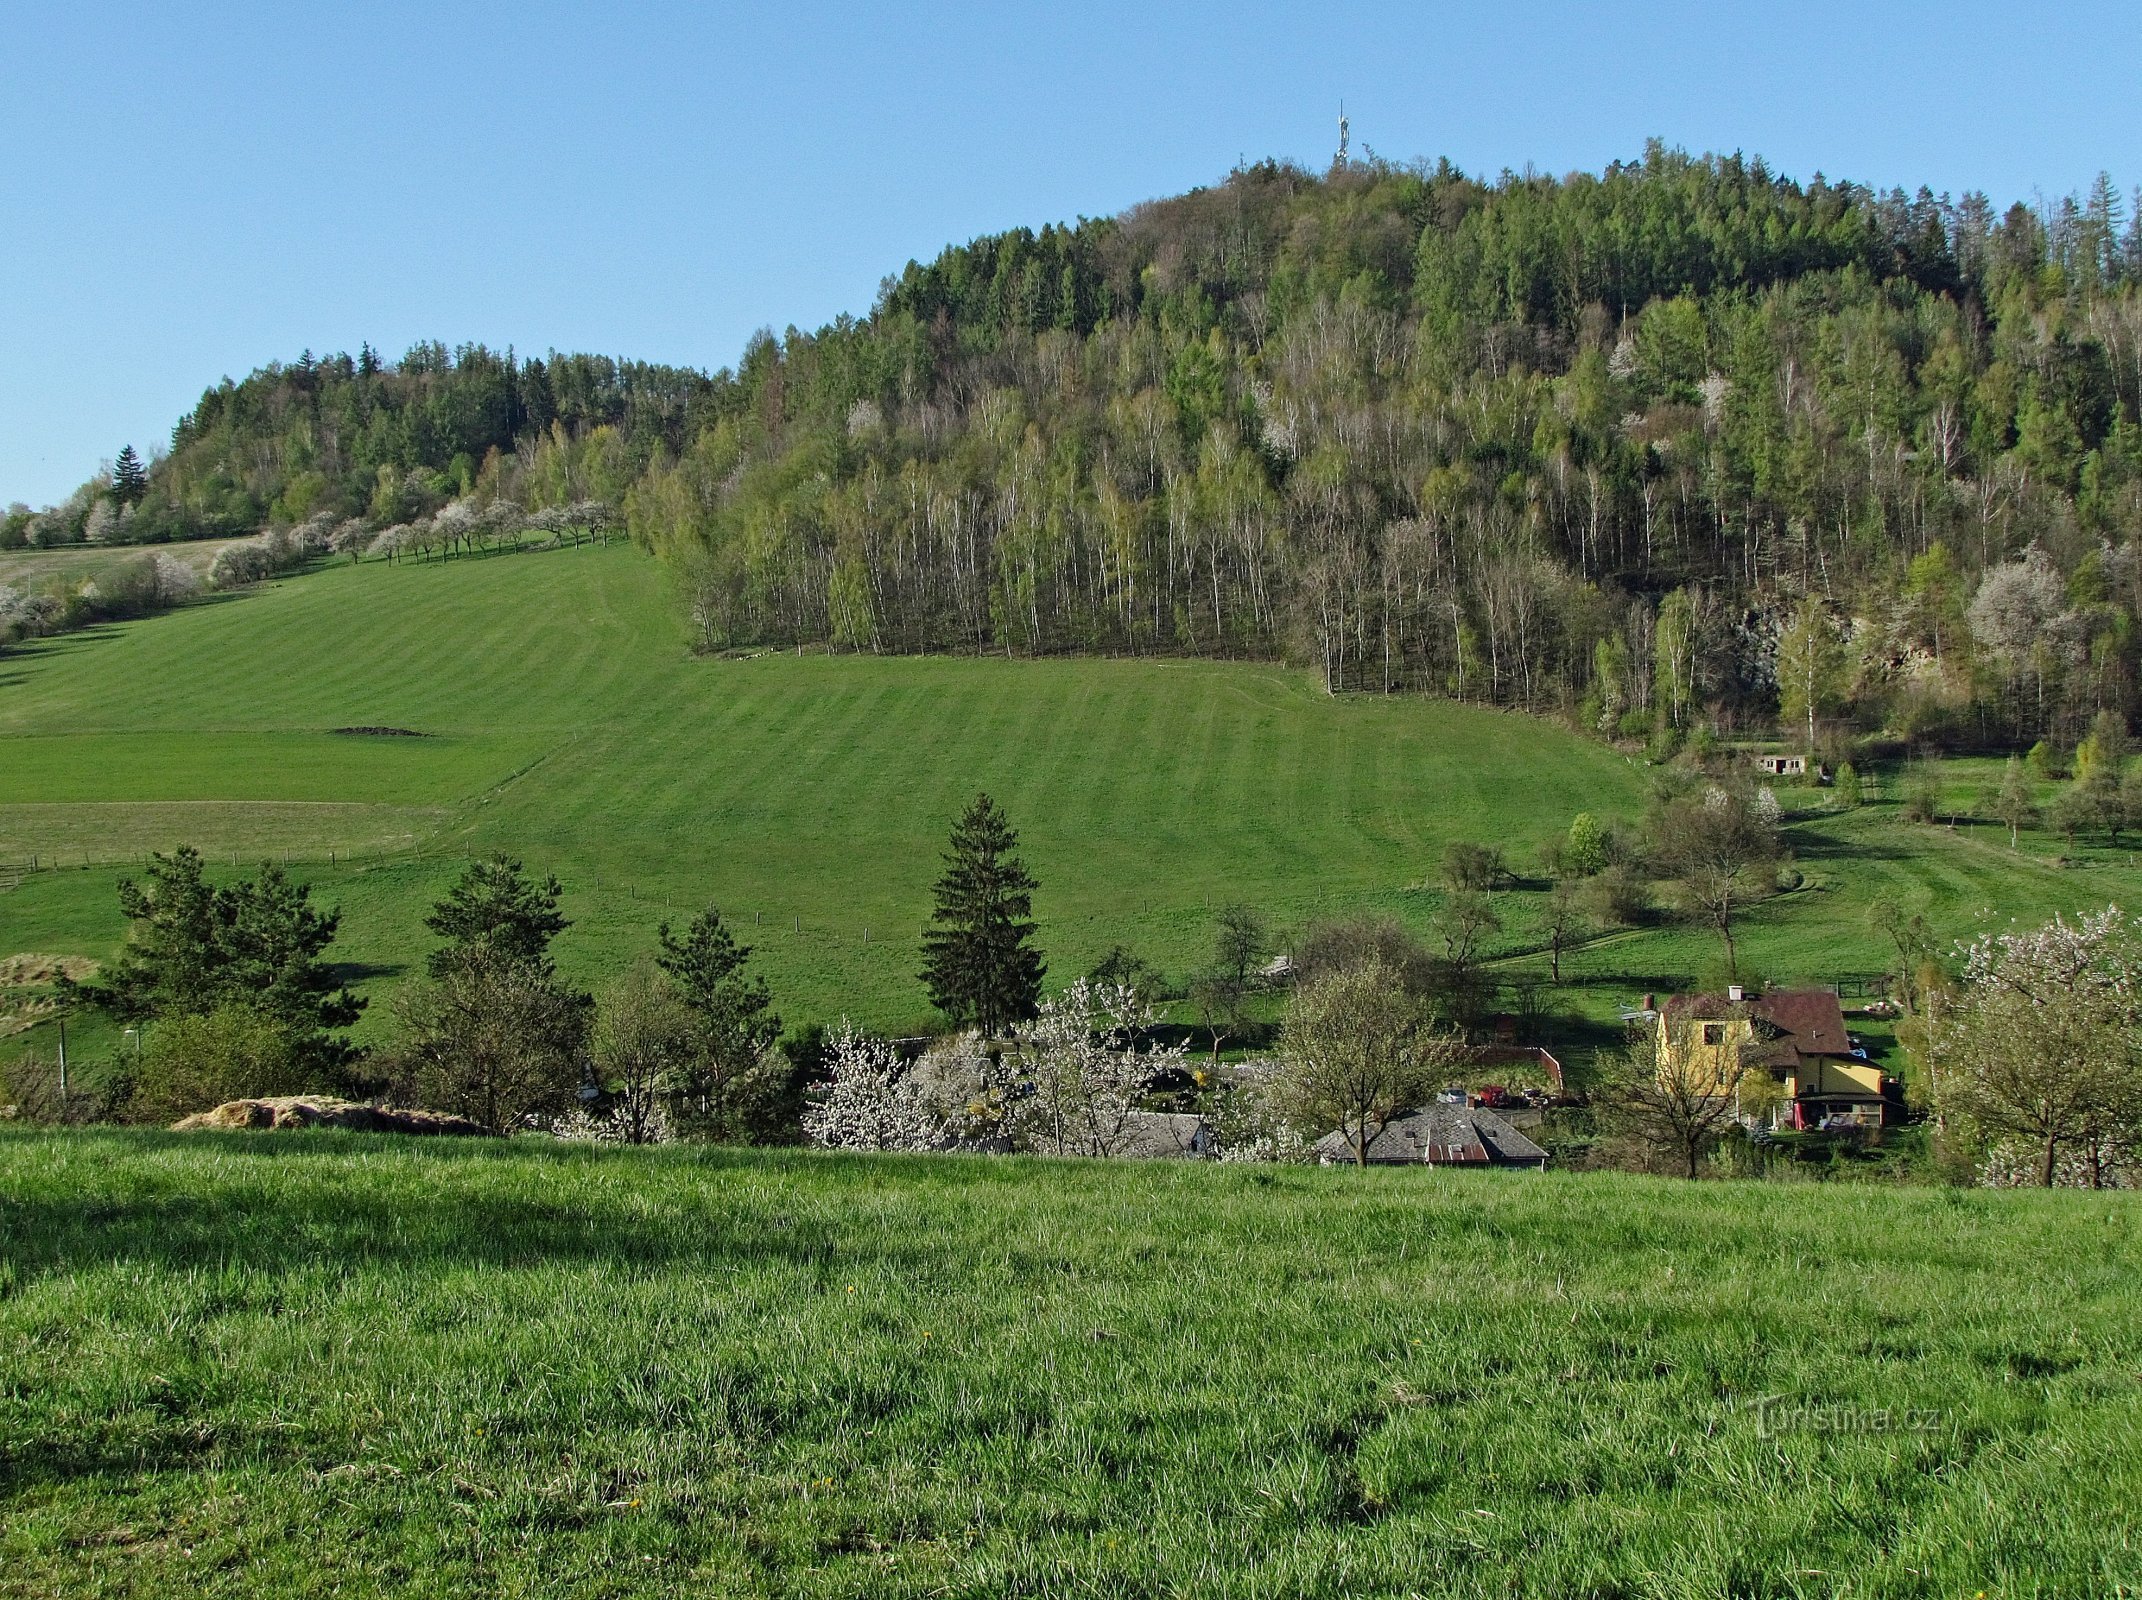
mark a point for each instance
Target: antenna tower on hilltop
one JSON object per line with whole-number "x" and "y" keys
{"x": 1340, "y": 159}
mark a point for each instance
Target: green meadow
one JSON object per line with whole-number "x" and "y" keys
{"x": 563, "y": 718}
{"x": 318, "y": 1364}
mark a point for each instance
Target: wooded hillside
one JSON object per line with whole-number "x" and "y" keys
{"x": 1686, "y": 441}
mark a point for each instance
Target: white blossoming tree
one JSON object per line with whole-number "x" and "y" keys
{"x": 2045, "y": 1047}
{"x": 1090, "y": 1058}
{"x": 973, "y": 1091}
{"x": 872, "y": 1103}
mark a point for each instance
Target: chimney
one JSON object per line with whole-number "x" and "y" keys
{"x": 1651, "y": 1002}
{"x": 1735, "y": 993}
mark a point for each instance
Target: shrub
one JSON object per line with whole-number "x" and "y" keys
{"x": 1472, "y": 868}
{"x": 194, "y": 1063}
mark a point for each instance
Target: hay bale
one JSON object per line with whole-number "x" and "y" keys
{"x": 285, "y": 1112}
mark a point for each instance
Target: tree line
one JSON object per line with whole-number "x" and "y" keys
{"x": 1685, "y": 442}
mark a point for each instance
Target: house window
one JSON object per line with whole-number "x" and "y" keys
{"x": 1714, "y": 1033}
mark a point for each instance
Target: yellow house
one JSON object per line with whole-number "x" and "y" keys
{"x": 1797, "y": 1066}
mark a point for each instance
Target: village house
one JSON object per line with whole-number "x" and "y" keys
{"x": 1440, "y": 1135}
{"x": 1166, "y": 1135}
{"x": 1799, "y": 1067}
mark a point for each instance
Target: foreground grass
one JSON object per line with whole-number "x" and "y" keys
{"x": 266, "y": 1365}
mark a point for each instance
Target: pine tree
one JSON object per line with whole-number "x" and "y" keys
{"x": 495, "y": 908}
{"x": 733, "y": 1086}
{"x": 258, "y": 944}
{"x": 981, "y": 965}
{"x": 130, "y": 479}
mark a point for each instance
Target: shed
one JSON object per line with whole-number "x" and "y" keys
{"x": 1440, "y": 1135}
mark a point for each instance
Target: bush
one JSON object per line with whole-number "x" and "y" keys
{"x": 194, "y": 1063}
{"x": 1472, "y": 868}
{"x": 1922, "y": 797}
{"x": 30, "y": 1092}
{"x": 1620, "y": 898}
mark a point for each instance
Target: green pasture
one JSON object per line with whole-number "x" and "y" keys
{"x": 267, "y": 1364}
{"x": 809, "y": 796}
{"x": 562, "y": 717}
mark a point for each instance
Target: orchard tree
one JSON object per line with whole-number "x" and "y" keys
{"x": 642, "y": 1044}
{"x": 1673, "y": 1104}
{"x": 1566, "y": 921}
{"x": 1718, "y": 846}
{"x": 1087, "y": 1064}
{"x": 1356, "y": 1053}
{"x": 1222, "y": 994}
{"x": 979, "y": 958}
{"x": 871, "y": 1101}
{"x": 2045, "y": 1044}
{"x": 2014, "y": 805}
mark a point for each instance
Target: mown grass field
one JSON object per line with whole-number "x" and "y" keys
{"x": 567, "y": 722}
{"x": 320, "y": 1364}
{"x": 564, "y": 720}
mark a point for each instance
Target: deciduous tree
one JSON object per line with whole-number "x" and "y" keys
{"x": 1355, "y": 1053}
{"x": 2045, "y": 1044}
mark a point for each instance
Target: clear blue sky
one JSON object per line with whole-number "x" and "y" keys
{"x": 193, "y": 190}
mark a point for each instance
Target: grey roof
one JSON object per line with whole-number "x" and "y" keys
{"x": 1154, "y": 1135}
{"x": 1442, "y": 1135}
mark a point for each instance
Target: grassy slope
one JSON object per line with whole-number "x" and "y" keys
{"x": 283, "y": 1365}
{"x": 569, "y": 725}
{"x": 572, "y": 727}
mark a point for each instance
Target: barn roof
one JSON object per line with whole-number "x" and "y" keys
{"x": 1442, "y": 1135}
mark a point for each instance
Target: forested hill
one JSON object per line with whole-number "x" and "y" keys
{"x": 1686, "y": 440}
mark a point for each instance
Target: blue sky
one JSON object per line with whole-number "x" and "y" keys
{"x": 189, "y": 191}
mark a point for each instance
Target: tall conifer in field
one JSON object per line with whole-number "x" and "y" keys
{"x": 256, "y": 945}
{"x": 130, "y": 479}
{"x": 980, "y": 962}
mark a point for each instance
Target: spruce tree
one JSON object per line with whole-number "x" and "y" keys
{"x": 130, "y": 479}
{"x": 981, "y": 965}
